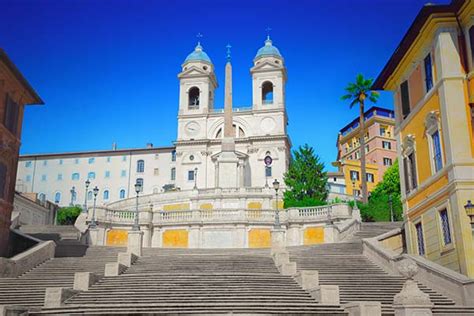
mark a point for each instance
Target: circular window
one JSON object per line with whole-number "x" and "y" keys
{"x": 277, "y": 62}
{"x": 204, "y": 67}
{"x": 191, "y": 157}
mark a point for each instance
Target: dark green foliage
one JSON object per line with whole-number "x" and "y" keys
{"x": 357, "y": 92}
{"x": 68, "y": 215}
{"x": 378, "y": 208}
{"x": 306, "y": 180}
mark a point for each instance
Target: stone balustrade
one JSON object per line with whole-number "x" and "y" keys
{"x": 335, "y": 212}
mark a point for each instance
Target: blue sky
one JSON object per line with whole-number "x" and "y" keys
{"x": 107, "y": 69}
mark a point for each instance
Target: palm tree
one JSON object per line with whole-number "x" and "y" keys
{"x": 357, "y": 92}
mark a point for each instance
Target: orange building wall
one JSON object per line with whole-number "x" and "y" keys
{"x": 415, "y": 84}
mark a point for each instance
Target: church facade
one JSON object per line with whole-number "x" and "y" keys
{"x": 257, "y": 131}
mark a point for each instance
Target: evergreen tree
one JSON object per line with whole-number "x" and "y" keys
{"x": 306, "y": 180}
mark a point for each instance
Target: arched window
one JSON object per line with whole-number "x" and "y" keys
{"x": 267, "y": 92}
{"x": 238, "y": 132}
{"x": 89, "y": 195}
{"x": 57, "y": 197}
{"x": 75, "y": 176}
{"x": 106, "y": 194}
{"x": 42, "y": 197}
{"x": 91, "y": 175}
{"x": 140, "y": 166}
{"x": 193, "y": 103}
{"x": 122, "y": 194}
{"x": 173, "y": 155}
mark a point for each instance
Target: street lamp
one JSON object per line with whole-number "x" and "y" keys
{"x": 195, "y": 178}
{"x": 276, "y": 186}
{"x": 93, "y": 222}
{"x": 138, "y": 188}
{"x": 390, "y": 202}
{"x": 85, "y": 195}
{"x": 73, "y": 195}
{"x": 354, "y": 194}
{"x": 469, "y": 207}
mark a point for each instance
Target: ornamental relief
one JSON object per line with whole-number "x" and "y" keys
{"x": 432, "y": 121}
{"x": 408, "y": 144}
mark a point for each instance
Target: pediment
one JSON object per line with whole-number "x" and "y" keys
{"x": 266, "y": 65}
{"x": 193, "y": 71}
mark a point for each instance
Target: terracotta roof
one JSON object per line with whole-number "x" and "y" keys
{"x": 4, "y": 58}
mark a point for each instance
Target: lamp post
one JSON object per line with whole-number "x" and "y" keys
{"x": 138, "y": 188}
{"x": 354, "y": 194}
{"x": 73, "y": 195}
{"x": 469, "y": 207}
{"x": 276, "y": 186}
{"x": 85, "y": 195}
{"x": 93, "y": 222}
{"x": 390, "y": 202}
{"x": 195, "y": 177}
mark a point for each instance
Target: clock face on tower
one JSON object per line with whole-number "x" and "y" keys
{"x": 192, "y": 128}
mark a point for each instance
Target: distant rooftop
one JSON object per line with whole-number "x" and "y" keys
{"x": 375, "y": 110}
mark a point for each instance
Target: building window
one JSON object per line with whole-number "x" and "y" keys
{"x": 124, "y": 158}
{"x": 387, "y": 161}
{"x": 437, "y": 156}
{"x": 268, "y": 171}
{"x": 445, "y": 227}
{"x": 89, "y": 195}
{"x": 57, "y": 197}
{"x": 11, "y": 115}
{"x": 420, "y": 240}
{"x": 357, "y": 192}
{"x": 108, "y": 159}
{"x": 354, "y": 175}
{"x": 386, "y": 145}
{"x": 106, "y": 194}
{"x": 405, "y": 98}
{"x": 156, "y": 172}
{"x": 60, "y": 161}
{"x": 122, "y": 194}
{"x": 140, "y": 181}
{"x": 75, "y": 176}
{"x": 140, "y": 166}
{"x": 193, "y": 98}
{"x": 45, "y": 162}
{"x": 107, "y": 174}
{"x": 157, "y": 156}
{"x": 43, "y": 177}
{"x": 173, "y": 155}
{"x": 28, "y": 164}
{"x": 60, "y": 176}
{"x": 428, "y": 73}
{"x": 370, "y": 177}
{"x": 3, "y": 180}
{"x": 91, "y": 160}
{"x": 76, "y": 161}
{"x": 367, "y": 148}
{"x": 28, "y": 178}
{"x": 91, "y": 175}
{"x": 190, "y": 175}
{"x": 357, "y": 155}
{"x": 123, "y": 173}
{"x": 42, "y": 197}
{"x": 173, "y": 174}
{"x": 267, "y": 92}
{"x": 382, "y": 131}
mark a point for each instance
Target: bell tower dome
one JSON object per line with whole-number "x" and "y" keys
{"x": 268, "y": 77}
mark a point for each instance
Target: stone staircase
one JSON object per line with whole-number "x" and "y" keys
{"x": 369, "y": 230}
{"x": 199, "y": 281}
{"x": 66, "y": 238}
{"x": 358, "y": 278}
{"x": 29, "y": 288}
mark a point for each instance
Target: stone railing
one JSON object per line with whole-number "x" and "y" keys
{"x": 452, "y": 284}
{"x": 335, "y": 212}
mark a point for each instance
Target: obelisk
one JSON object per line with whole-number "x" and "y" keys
{"x": 227, "y": 160}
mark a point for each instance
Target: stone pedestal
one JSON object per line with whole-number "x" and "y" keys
{"x": 84, "y": 280}
{"x": 135, "y": 242}
{"x": 307, "y": 279}
{"x": 96, "y": 236}
{"x": 126, "y": 258}
{"x": 228, "y": 162}
{"x": 55, "y": 296}
{"x": 325, "y": 294}
{"x": 278, "y": 240}
{"x": 363, "y": 308}
{"x": 114, "y": 269}
{"x": 331, "y": 234}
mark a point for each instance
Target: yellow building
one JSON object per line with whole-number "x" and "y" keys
{"x": 431, "y": 75}
{"x": 380, "y": 149}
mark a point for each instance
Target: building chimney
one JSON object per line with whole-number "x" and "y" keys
{"x": 149, "y": 145}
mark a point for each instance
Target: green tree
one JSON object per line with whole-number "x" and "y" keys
{"x": 68, "y": 215}
{"x": 357, "y": 92}
{"x": 378, "y": 208}
{"x": 306, "y": 180}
